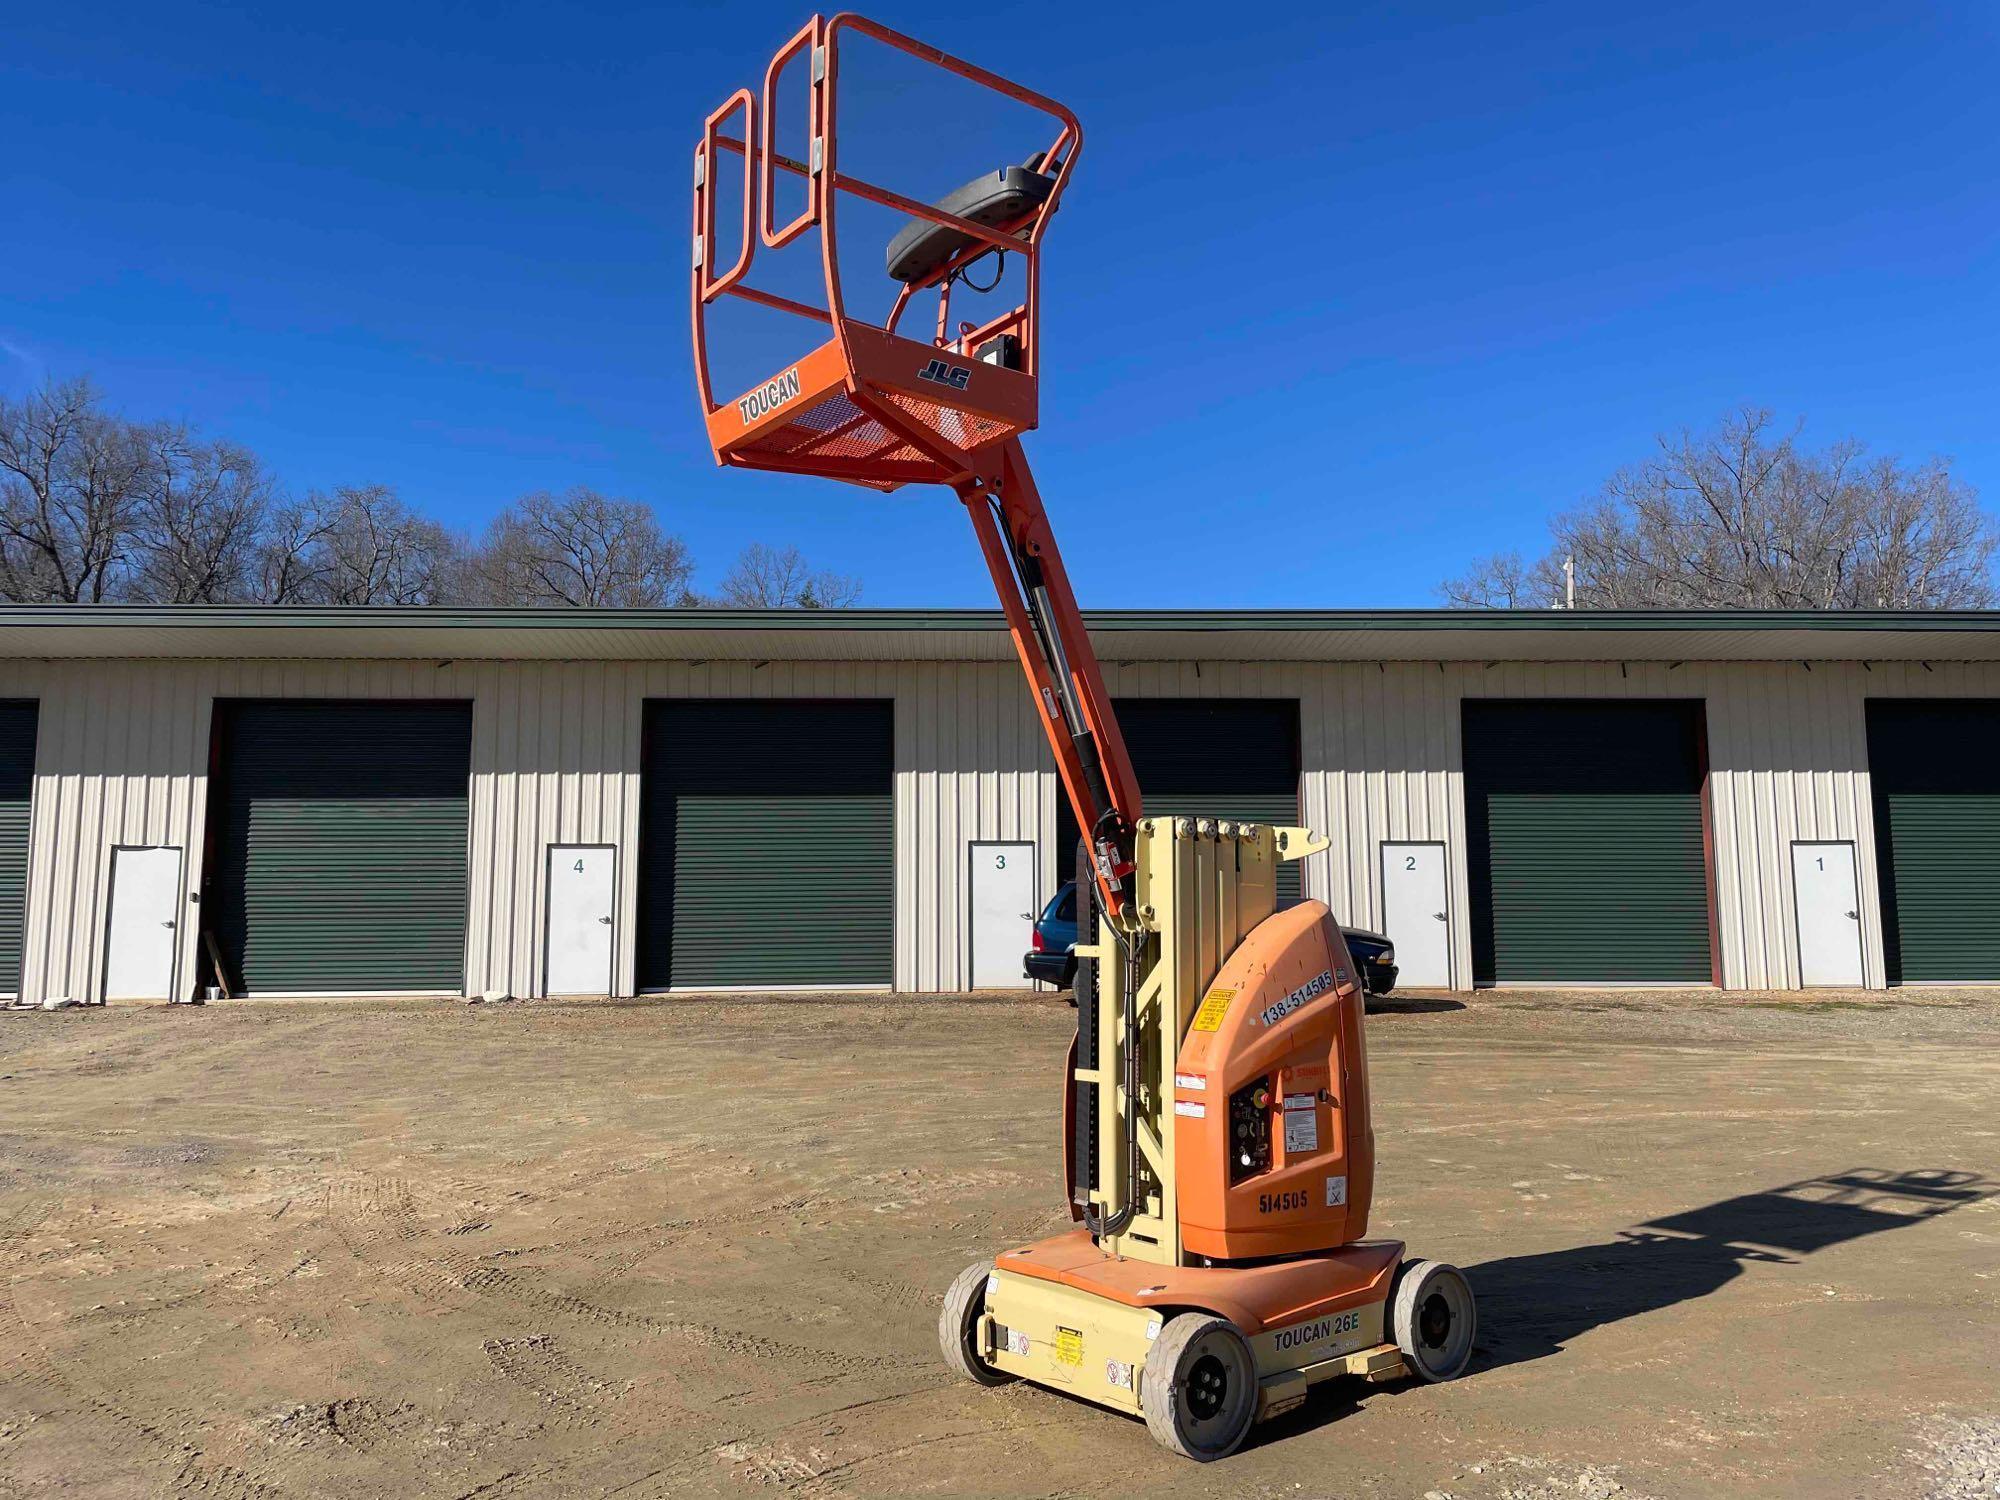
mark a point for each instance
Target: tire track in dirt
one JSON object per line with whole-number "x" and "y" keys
{"x": 574, "y": 1397}
{"x": 778, "y": 1440}
{"x": 794, "y": 1455}
{"x": 383, "y": 1211}
{"x": 29, "y": 1365}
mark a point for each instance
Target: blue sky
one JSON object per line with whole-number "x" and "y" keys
{"x": 1340, "y": 298}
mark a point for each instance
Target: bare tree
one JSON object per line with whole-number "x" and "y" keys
{"x": 94, "y": 507}
{"x": 199, "y": 522}
{"x": 71, "y": 477}
{"x": 580, "y": 549}
{"x": 1501, "y": 581}
{"x": 1742, "y": 517}
{"x": 358, "y": 545}
{"x": 291, "y": 558}
{"x": 780, "y": 578}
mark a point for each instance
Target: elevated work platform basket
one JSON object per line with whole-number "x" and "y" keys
{"x": 869, "y": 404}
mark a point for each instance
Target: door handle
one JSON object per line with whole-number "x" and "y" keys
{"x": 1027, "y": 916}
{"x": 1854, "y": 916}
{"x": 1438, "y": 915}
{"x": 604, "y": 921}
{"x": 168, "y": 923}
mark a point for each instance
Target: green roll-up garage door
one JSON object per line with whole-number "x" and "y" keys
{"x": 1212, "y": 758}
{"x": 1584, "y": 842}
{"x": 17, "y": 781}
{"x": 339, "y": 854}
{"x": 767, "y": 843}
{"x": 1934, "y": 770}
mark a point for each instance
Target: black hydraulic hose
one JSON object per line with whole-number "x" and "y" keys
{"x": 1028, "y": 573}
{"x": 1081, "y": 737}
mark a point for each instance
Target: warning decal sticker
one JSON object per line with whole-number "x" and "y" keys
{"x": 1069, "y": 1346}
{"x": 1214, "y": 1006}
{"x": 1301, "y": 1125}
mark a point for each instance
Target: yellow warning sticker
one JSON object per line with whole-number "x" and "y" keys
{"x": 1214, "y": 1006}
{"x": 1069, "y": 1346}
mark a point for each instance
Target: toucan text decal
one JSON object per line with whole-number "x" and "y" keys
{"x": 1319, "y": 984}
{"x": 769, "y": 397}
{"x": 1312, "y": 1333}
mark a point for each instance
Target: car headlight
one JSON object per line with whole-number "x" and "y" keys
{"x": 1388, "y": 956}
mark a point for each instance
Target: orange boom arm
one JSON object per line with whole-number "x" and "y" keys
{"x": 874, "y": 407}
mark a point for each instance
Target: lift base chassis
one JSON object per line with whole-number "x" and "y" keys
{"x": 1091, "y": 1346}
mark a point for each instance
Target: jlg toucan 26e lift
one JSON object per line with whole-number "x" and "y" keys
{"x": 1220, "y": 1159}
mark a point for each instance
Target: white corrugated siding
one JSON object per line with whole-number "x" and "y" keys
{"x": 124, "y": 749}
{"x": 1788, "y": 760}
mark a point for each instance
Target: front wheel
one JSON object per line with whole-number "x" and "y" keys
{"x": 958, "y": 1327}
{"x": 1199, "y": 1387}
{"x": 1432, "y": 1315}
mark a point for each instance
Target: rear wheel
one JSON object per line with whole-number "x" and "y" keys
{"x": 1199, "y": 1387}
{"x": 958, "y": 1327}
{"x": 1434, "y": 1319}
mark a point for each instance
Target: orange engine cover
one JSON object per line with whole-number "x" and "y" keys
{"x": 1273, "y": 1150}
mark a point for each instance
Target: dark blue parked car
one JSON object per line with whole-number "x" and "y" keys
{"x": 1052, "y": 961}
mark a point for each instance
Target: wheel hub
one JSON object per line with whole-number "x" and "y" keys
{"x": 1207, "y": 1388}
{"x": 1434, "y": 1321}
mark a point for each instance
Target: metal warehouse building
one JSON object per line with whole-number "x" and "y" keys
{"x": 382, "y": 801}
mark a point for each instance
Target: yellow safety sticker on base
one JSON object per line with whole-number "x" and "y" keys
{"x": 1069, "y": 1346}
{"x": 1214, "y": 1006}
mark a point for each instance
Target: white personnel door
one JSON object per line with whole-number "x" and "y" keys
{"x": 1829, "y": 910}
{"x": 1415, "y": 916}
{"x": 145, "y": 924}
{"x": 1003, "y": 913}
{"x": 582, "y": 891}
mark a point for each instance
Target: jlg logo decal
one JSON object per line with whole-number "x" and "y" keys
{"x": 937, "y": 371}
{"x": 769, "y": 397}
{"x": 1279, "y": 1203}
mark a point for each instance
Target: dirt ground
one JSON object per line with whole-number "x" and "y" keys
{"x": 1722, "y": 1246}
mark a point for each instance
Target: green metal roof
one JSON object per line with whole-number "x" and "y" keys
{"x": 264, "y": 616}
{"x": 264, "y": 631}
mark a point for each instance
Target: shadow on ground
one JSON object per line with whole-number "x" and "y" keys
{"x": 1412, "y": 1005}
{"x": 1531, "y": 1305}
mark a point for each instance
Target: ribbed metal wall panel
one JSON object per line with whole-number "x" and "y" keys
{"x": 17, "y": 785}
{"x": 1232, "y": 758}
{"x": 338, "y": 862}
{"x": 1587, "y": 854}
{"x": 1936, "y": 782}
{"x": 122, "y": 756}
{"x": 767, "y": 844}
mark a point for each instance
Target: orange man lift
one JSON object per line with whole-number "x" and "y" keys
{"x": 1220, "y": 1160}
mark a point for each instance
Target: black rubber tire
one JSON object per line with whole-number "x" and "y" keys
{"x": 1198, "y": 1387}
{"x": 1433, "y": 1318}
{"x": 958, "y": 1327}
